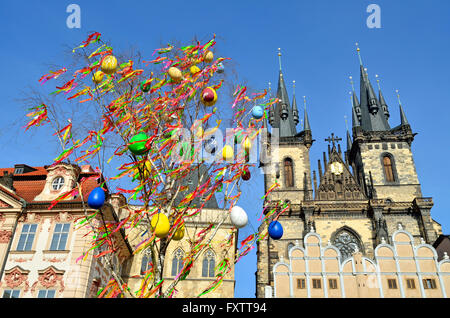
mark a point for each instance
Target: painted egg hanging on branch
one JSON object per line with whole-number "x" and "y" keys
{"x": 257, "y": 112}
{"x": 98, "y": 76}
{"x": 109, "y": 65}
{"x": 179, "y": 233}
{"x": 227, "y": 153}
{"x": 137, "y": 144}
{"x": 96, "y": 198}
{"x": 194, "y": 69}
{"x": 209, "y": 56}
{"x": 175, "y": 74}
{"x": 220, "y": 68}
{"x": 209, "y": 96}
{"x": 143, "y": 172}
{"x": 238, "y": 217}
{"x": 246, "y": 175}
{"x": 145, "y": 87}
{"x": 275, "y": 230}
{"x": 247, "y": 144}
{"x": 160, "y": 225}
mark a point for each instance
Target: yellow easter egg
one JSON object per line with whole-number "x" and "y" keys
{"x": 247, "y": 144}
{"x": 194, "y": 69}
{"x": 175, "y": 74}
{"x": 98, "y": 77}
{"x": 209, "y": 56}
{"x": 227, "y": 153}
{"x": 109, "y": 65}
{"x": 160, "y": 225}
{"x": 145, "y": 171}
{"x": 179, "y": 233}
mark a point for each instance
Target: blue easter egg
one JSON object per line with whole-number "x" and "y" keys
{"x": 258, "y": 112}
{"x": 96, "y": 198}
{"x": 275, "y": 230}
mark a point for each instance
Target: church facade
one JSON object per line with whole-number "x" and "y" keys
{"x": 359, "y": 226}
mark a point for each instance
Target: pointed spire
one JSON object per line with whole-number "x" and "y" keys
{"x": 306, "y": 120}
{"x": 294, "y": 106}
{"x": 371, "y": 118}
{"x": 349, "y": 138}
{"x": 283, "y": 118}
{"x": 382, "y": 100}
{"x": 355, "y": 101}
{"x": 403, "y": 120}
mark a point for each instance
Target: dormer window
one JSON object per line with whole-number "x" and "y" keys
{"x": 18, "y": 170}
{"x": 57, "y": 183}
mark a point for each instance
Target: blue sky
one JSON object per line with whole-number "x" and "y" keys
{"x": 410, "y": 52}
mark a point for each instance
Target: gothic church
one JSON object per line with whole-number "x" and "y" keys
{"x": 359, "y": 226}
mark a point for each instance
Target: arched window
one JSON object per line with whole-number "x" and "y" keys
{"x": 288, "y": 173}
{"x": 388, "y": 168}
{"x": 347, "y": 243}
{"x": 177, "y": 261}
{"x": 208, "y": 264}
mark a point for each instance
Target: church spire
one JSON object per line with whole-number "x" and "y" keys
{"x": 349, "y": 138}
{"x": 371, "y": 117}
{"x": 283, "y": 117}
{"x": 383, "y": 104}
{"x": 306, "y": 125}
{"x": 294, "y": 106}
{"x": 403, "y": 120}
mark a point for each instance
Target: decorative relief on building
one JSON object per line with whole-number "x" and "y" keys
{"x": 15, "y": 277}
{"x": 50, "y": 277}
{"x": 5, "y": 236}
{"x": 4, "y": 204}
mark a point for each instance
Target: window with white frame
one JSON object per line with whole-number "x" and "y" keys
{"x": 27, "y": 237}
{"x": 46, "y": 293}
{"x": 60, "y": 236}
{"x": 11, "y": 293}
{"x": 57, "y": 183}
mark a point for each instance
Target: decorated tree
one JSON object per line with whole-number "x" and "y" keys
{"x": 157, "y": 120}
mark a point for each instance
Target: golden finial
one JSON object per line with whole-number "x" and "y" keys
{"x": 346, "y": 124}
{"x": 359, "y": 55}
{"x": 304, "y": 102}
{"x": 293, "y": 86}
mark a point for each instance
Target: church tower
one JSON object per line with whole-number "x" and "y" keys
{"x": 288, "y": 165}
{"x": 288, "y": 150}
{"x": 363, "y": 206}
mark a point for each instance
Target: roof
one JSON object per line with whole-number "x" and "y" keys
{"x": 28, "y": 185}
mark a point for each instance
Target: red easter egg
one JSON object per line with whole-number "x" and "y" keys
{"x": 246, "y": 175}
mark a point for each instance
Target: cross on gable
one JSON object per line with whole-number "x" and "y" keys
{"x": 333, "y": 139}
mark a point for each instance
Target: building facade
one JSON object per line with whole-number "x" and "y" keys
{"x": 363, "y": 207}
{"x": 43, "y": 251}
